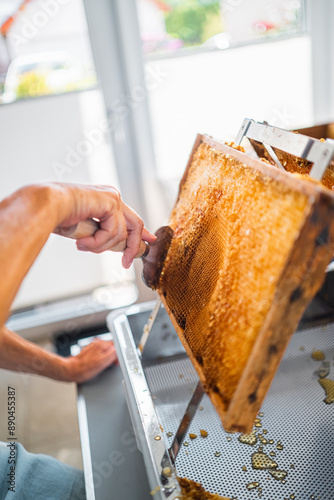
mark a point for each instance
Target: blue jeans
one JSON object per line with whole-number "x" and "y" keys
{"x": 26, "y": 476}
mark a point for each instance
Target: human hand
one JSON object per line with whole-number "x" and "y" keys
{"x": 118, "y": 222}
{"x": 91, "y": 361}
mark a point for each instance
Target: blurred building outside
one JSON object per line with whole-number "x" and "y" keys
{"x": 169, "y": 25}
{"x": 47, "y": 49}
{"x": 46, "y": 29}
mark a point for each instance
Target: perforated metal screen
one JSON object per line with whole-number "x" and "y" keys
{"x": 294, "y": 414}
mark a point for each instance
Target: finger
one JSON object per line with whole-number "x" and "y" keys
{"x": 110, "y": 234}
{"x": 103, "y": 345}
{"x": 127, "y": 258}
{"x": 104, "y": 236}
{"x": 147, "y": 236}
{"x": 98, "y": 345}
{"x": 135, "y": 228}
{"x": 102, "y": 354}
{"x": 109, "y": 245}
{"x": 92, "y": 360}
{"x": 132, "y": 243}
{"x": 108, "y": 355}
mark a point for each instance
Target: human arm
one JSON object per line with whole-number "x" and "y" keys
{"x": 26, "y": 220}
{"x": 20, "y": 355}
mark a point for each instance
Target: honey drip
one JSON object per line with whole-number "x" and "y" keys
{"x": 253, "y": 485}
{"x": 318, "y": 355}
{"x": 279, "y": 475}
{"x": 261, "y": 461}
{"x": 323, "y": 372}
{"x": 328, "y": 385}
{"x": 263, "y": 439}
{"x": 250, "y": 439}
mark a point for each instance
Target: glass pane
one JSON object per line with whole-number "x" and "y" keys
{"x": 172, "y": 25}
{"x": 258, "y": 19}
{"x": 212, "y": 91}
{"x": 43, "y": 50}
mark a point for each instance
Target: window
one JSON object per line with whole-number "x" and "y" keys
{"x": 59, "y": 136}
{"x": 169, "y": 69}
{"x": 43, "y": 50}
{"x": 171, "y": 26}
{"x": 251, "y": 20}
{"x": 216, "y": 71}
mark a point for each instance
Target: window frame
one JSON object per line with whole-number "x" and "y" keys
{"x": 115, "y": 38}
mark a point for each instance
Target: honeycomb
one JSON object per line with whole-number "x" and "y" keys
{"x": 293, "y": 164}
{"x": 234, "y": 228}
{"x": 296, "y": 165}
{"x": 195, "y": 491}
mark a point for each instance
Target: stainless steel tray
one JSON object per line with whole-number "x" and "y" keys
{"x": 295, "y": 416}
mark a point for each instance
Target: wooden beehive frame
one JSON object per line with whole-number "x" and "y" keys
{"x": 314, "y": 246}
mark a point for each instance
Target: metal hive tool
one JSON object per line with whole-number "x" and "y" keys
{"x": 282, "y": 148}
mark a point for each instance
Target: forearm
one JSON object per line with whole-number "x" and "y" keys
{"x": 27, "y": 219}
{"x": 28, "y": 216}
{"x": 20, "y": 355}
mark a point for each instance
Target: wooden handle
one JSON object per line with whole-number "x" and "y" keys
{"x": 81, "y": 230}
{"x": 143, "y": 248}
{"x": 89, "y": 228}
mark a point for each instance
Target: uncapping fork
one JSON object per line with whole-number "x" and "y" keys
{"x": 153, "y": 254}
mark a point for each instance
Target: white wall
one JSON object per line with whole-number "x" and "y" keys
{"x": 36, "y": 136}
{"x": 214, "y": 91}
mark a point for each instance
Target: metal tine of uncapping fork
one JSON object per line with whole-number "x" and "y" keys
{"x": 273, "y": 156}
{"x": 186, "y": 421}
{"x": 243, "y": 133}
{"x": 149, "y": 325}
